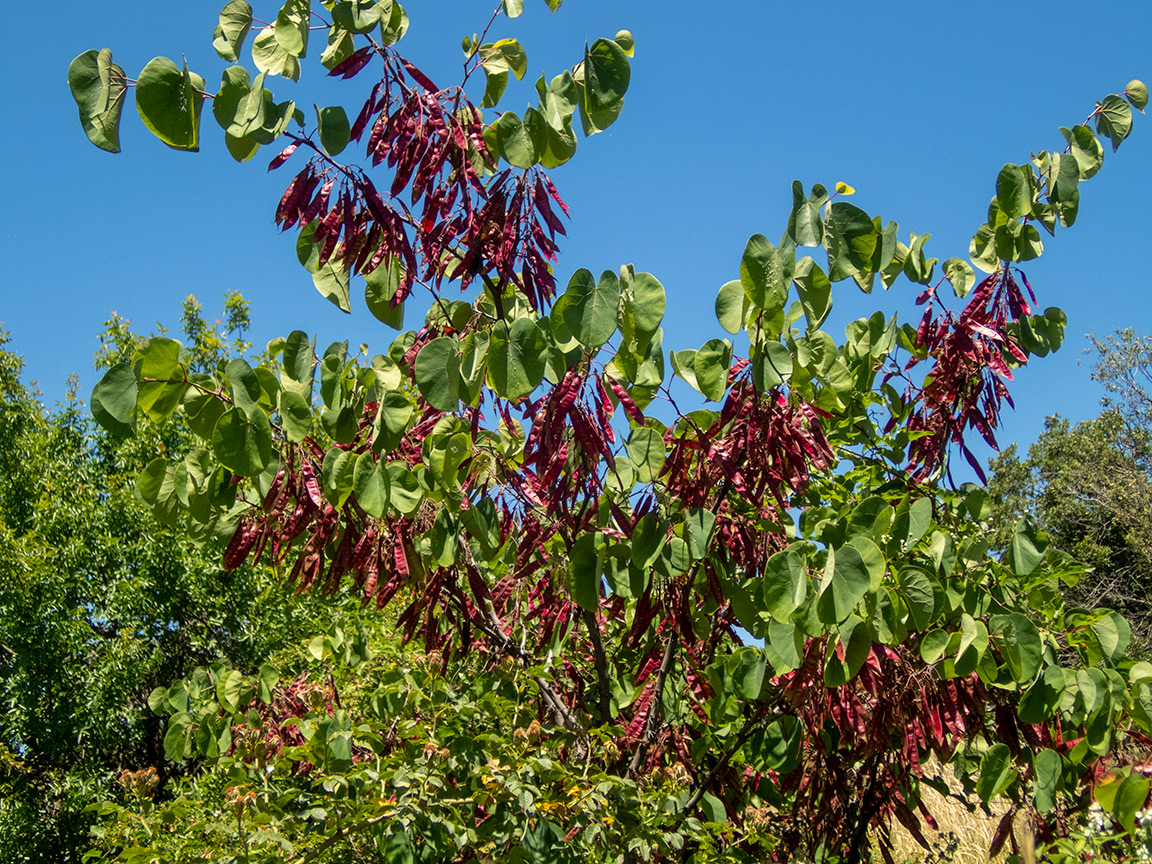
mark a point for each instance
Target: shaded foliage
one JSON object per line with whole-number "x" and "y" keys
{"x": 1090, "y": 488}
{"x": 98, "y": 605}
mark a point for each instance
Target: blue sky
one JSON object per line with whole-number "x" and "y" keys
{"x": 917, "y": 105}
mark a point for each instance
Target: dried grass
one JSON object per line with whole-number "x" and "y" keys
{"x": 964, "y": 837}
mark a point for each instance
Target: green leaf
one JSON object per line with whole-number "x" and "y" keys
{"x": 437, "y": 372}
{"x": 230, "y": 33}
{"x": 1130, "y": 798}
{"x": 960, "y": 275}
{"x": 559, "y": 142}
{"x": 771, "y": 365}
{"x": 1137, "y": 93}
{"x": 804, "y": 224}
{"x": 1114, "y": 119}
{"x": 360, "y": 16}
{"x": 178, "y": 738}
{"x": 624, "y": 39}
{"x": 168, "y": 100}
{"x": 624, "y": 578}
{"x": 338, "y": 475}
{"x": 712, "y": 809}
{"x": 851, "y": 237}
{"x": 341, "y": 45}
{"x": 291, "y": 27}
{"x": 495, "y": 83}
{"x": 684, "y": 365}
{"x": 507, "y": 55}
{"x": 380, "y": 290}
{"x": 161, "y": 377}
{"x": 295, "y": 416}
{"x": 607, "y": 73}
{"x": 1086, "y": 149}
{"x": 1023, "y": 550}
{"x": 589, "y": 311}
{"x": 332, "y": 124}
{"x": 158, "y": 700}
{"x": 732, "y": 306}
{"x": 777, "y": 746}
{"x": 645, "y": 448}
{"x": 391, "y": 421}
{"x": 648, "y": 538}
{"x": 1019, "y": 643}
{"x": 854, "y": 641}
{"x": 152, "y": 479}
{"x": 516, "y": 358}
{"x": 995, "y": 772}
{"x": 711, "y": 365}
{"x": 815, "y": 291}
{"x": 243, "y": 442}
{"x": 864, "y": 517}
{"x": 370, "y": 483}
{"x": 1014, "y": 190}
{"x": 513, "y": 8}
{"x": 846, "y": 581}
{"x": 1113, "y": 633}
{"x": 933, "y": 646}
{"x": 333, "y": 282}
{"x": 246, "y": 390}
{"x": 982, "y": 248}
{"x": 919, "y": 590}
{"x": 239, "y": 106}
{"x": 1044, "y": 697}
{"x": 785, "y": 584}
{"x": 647, "y": 304}
{"x": 515, "y": 142}
{"x": 393, "y": 29}
{"x": 784, "y": 647}
{"x": 699, "y": 523}
{"x": 912, "y": 523}
{"x": 585, "y": 560}
{"x": 98, "y": 86}
{"x": 114, "y": 400}
{"x": 269, "y": 56}
{"x": 202, "y": 409}
{"x": 404, "y": 491}
{"x": 762, "y": 275}
{"x": 299, "y": 358}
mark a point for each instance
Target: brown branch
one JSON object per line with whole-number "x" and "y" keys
{"x": 601, "y": 659}
{"x": 655, "y": 709}
{"x": 490, "y": 625}
{"x": 721, "y": 764}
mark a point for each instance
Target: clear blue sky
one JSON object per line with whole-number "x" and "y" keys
{"x": 917, "y": 105}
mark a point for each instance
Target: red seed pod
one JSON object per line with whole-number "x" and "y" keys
{"x": 283, "y": 156}
{"x": 352, "y": 64}
{"x": 240, "y": 544}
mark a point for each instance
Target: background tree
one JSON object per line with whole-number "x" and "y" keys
{"x": 99, "y": 603}
{"x": 1089, "y": 486}
{"x": 615, "y": 555}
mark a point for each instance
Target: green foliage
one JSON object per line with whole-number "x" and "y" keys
{"x": 95, "y": 611}
{"x": 307, "y": 756}
{"x": 1088, "y": 486}
{"x": 590, "y": 581}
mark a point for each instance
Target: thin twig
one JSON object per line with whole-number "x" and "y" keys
{"x": 601, "y": 659}
{"x": 490, "y": 624}
{"x": 655, "y": 708}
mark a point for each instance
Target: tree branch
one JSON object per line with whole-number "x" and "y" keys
{"x": 721, "y": 764}
{"x": 490, "y": 625}
{"x": 655, "y": 711}
{"x": 601, "y": 660}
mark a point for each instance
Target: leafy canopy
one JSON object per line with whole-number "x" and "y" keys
{"x": 773, "y": 601}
